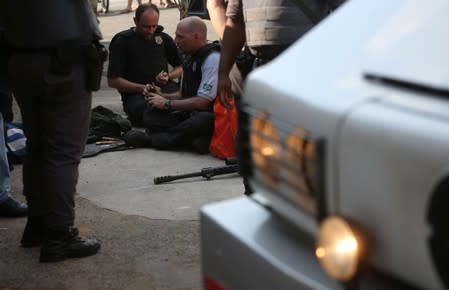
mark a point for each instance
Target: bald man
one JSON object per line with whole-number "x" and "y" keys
{"x": 191, "y": 122}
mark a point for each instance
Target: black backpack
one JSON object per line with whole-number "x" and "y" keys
{"x": 106, "y": 123}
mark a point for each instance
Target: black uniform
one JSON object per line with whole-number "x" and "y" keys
{"x": 140, "y": 60}
{"x": 48, "y": 75}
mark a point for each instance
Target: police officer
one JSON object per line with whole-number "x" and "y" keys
{"x": 140, "y": 56}
{"x": 48, "y": 42}
{"x": 264, "y": 28}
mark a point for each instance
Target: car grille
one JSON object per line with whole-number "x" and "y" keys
{"x": 284, "y": 159}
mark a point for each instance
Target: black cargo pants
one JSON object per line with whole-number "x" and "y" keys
{"x": 55, "y": 110}
{"x": 171, "y": 130}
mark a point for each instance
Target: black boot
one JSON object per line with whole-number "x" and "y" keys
{"x": 33, "y": 234}
{"x": 12, "y": 208}
{"x": 61, "y": 244}
{"x": 137, "y": 139}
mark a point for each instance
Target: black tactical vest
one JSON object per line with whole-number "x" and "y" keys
{"x": 278, "y": 23}
{"x": 191, "y": 76}
{"x": 47, "y": 23}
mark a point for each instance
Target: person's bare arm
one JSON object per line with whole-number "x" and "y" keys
{"x": 124, "y": 85}
{"x": 175, "y": 73}
{"x": 233, "y": 41}
{"x": 217, "y": 10}
{"x": 188, "y": 104}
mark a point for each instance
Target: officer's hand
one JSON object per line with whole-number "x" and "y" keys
{"x": 155, "y": 100}
{"x": 162, "y": 78}
{"x": 151, "y": 88}
{"x": 225, "y": 92}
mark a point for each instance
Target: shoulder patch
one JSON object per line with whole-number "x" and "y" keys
{"x": 158, "y": 39}
{"x": 207, "y": 87}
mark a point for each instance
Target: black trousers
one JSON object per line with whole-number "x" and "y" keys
{"x": 134, "y": 106}
{"x": 178, "y": 129}
{"x": 55, "y": 110}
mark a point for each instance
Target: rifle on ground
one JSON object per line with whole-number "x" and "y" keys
{"x": 207, "y": 172}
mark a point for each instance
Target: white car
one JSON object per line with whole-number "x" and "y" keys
{"x": 346, "y": 143}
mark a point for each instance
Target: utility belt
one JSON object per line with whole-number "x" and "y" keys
{"x": 266, "y": 53}
{"x": 69, "y": 53}
{"x": 252, "y": 57}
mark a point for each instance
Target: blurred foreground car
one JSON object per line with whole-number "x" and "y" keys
{"x": 346, "y": 143}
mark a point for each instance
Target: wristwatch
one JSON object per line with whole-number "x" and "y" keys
{"x": 167, "y": 105}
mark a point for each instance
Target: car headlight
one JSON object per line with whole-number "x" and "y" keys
{"x": 301, "y": 161}
{"x": 339, "y": 248}
{"x": 264, "y": 138}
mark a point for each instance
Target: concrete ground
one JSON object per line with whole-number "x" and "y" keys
{"x": 149, "y": 233}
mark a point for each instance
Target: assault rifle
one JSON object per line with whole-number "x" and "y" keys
{"x": 207, "y": 172}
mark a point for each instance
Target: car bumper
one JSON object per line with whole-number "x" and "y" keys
{"x": 245, "y": 246}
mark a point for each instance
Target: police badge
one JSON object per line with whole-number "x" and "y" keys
{"x": 158, "y": 39}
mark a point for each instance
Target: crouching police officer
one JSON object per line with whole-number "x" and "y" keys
{"x": 55, "y": 62}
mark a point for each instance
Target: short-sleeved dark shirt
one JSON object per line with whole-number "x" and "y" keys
{"x": 139, "y": 60}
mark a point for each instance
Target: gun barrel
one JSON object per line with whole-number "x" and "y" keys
{"x": 207, "y": 173}
{"x": 231, "y": 160}
{"x": 168, "y": 178}
{"x": 213, "y": 171}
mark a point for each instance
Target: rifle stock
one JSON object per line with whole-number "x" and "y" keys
{"x": 207, "y": 173}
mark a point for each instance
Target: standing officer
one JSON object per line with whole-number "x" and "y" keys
{"x": 51, "y": 46}
{"x": 266, "y": 28}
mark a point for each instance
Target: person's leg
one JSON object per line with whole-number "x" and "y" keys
{"x": 66, "y": 118}
{"x": 183, "y": 134}
{"x": 4, "y": 167}
{"x": 65, "y": 123}
{"x": 155, "y": 120}
{"x": 134, "y": 107}
{"x": 9, "y": 207}
{"x": 129, "y": 7}
{"x": 243, "y": 171}
{"x": 170, "y": 4}
{"x": 27, "y": 98}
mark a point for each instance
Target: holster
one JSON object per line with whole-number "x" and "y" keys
{"x": 95, "y": 54}
{"x": 245, "y": 62}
